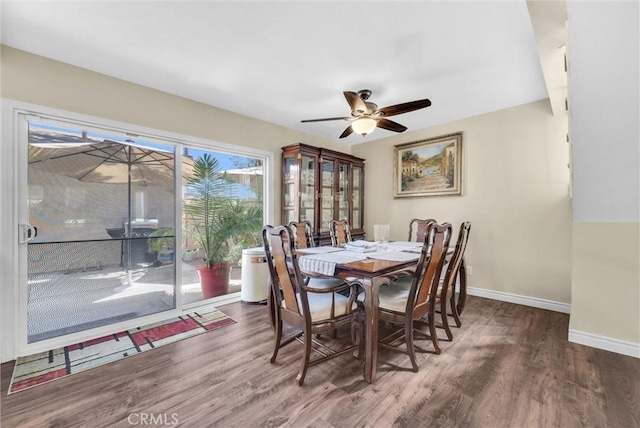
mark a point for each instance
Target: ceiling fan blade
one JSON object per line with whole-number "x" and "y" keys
{"x": 355, "y": 102}
{"x": 404, "y": 107}
{"x": 346, "y": 132}
{"x": 326, "y": 119}
{"x": 391, "y": 125}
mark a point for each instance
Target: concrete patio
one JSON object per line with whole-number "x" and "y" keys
{"x": 61, "y": 303}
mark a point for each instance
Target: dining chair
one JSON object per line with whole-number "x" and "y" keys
{"x": 418, "y": 229}
{"x": 417, "y": 233}
{"x": 308, "y": 311}
{"x": 448, "y": 283}
{"x": 340, "y": 232}
{"x": 454, "y": 262}
{"x": 302, "y": 233}
{"x": 404, "y": 306}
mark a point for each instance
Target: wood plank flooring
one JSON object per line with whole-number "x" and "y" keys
{"x": 508, "y": 366}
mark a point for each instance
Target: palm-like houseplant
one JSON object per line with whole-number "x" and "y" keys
{"x": 216, "y": 219}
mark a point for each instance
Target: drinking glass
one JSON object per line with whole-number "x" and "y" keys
{"x": 381, "y": 235}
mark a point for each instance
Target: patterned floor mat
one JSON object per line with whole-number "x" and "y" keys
{"x": 34, "y": 370}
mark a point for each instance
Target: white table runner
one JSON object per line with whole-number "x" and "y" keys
{"x": 318, "y": 250}
{"x": 406, "y": 243}
{"x": 394, "y": 256}
{"x": 412, "y": 247}
{"x": 325, "y": 264}
{"x": 407, "y": 248}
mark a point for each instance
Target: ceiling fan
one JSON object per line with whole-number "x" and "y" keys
{"x": 366, "y": 116}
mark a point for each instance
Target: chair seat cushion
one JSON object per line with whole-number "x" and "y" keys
{"x": 324, "y": 282}
{"x": 403, "y": 281}
{"x": 391, "y": 298}
{"x": 320, "y": 305}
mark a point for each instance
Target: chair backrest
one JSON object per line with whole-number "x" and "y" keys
{"x": 285, "y": 274}
{"x": 340, "y": 232}
{"x": 424, "y": 288}
{"x": 456, "y": 259}
{"x": 418, "y": 229}
{"x": 302, "y": 233}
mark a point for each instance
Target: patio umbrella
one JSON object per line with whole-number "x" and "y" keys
{"x": 89, "y": 159}
{"x": 103, "y": 161}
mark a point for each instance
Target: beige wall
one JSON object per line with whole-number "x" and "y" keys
{"x": 515, "y": 195}
{"x": 606, "y": 269}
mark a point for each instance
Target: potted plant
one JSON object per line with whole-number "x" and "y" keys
{"x": 161, "y": 243}
{"x": 216, "y": 217}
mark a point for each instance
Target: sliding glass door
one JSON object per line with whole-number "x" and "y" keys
{"x": 115, "y": 227}
{"x": 102, "y": 239}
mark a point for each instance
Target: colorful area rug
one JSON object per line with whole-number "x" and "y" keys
{"x": 44, "y": 367}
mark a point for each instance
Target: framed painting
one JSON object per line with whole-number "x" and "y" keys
{"x": 430, "y": 167}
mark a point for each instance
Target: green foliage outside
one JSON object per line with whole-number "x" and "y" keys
{"x": 161, "y": 238}
{"x": 221, "y": 224}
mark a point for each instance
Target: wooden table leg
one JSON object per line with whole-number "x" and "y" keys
{"x": 371, "y": 287}
{"x": 463, "y": 287}
{"x": 271, "y": 306}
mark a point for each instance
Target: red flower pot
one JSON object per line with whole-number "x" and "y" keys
{"x": 214, "y": 281}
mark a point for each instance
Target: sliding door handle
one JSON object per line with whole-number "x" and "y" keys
{"x": 26, "y": 233}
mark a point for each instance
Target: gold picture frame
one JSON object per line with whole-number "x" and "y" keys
{"x": 431, "y": 167}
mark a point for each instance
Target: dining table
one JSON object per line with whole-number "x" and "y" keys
{"x": 370, "y": 270}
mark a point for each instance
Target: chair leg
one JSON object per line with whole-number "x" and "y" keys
{"x": 462, "y": 298}
{"x": 408, "y": 335}
{"x": 454, "y": 310}
{"x": 271, "y": 307}
{"x": 357, "y": 331}
{"x": 433, "y": 333}
{"x": 445, "y": 319}
{"x": 354, "y": 328}
{"x": 361, "y": 352}
{"x": 307, "y": 357}
{"x": 278, "y": 328}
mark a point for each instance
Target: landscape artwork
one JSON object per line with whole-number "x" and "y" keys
{"x": 430, "y": 167}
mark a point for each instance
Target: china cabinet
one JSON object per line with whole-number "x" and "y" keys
{"x": 320, "y": 185}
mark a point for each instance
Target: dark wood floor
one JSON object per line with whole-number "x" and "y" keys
{"x": 508, "y": 366}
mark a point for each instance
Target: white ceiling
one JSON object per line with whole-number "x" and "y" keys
{"x": 282, "y": 62}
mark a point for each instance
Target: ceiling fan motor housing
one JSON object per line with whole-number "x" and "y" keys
{"x": 364, "y": 94}
{"x": 372, "y": 107}
{"x": 366, "y": 116}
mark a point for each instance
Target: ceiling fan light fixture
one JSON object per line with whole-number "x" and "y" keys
{"x": 366, "y": 116}
{"x": 364, "y": 126}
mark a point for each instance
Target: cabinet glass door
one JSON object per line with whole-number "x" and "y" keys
{"x": 290, "y": 170}
{"x": 357, "y": 197}
{"x": 307, "y": 188}
{"x": 344, "y": 192}
{"x": 328, "y": 186}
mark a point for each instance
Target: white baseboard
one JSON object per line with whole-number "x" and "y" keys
{"x": 535, "y": 302}
{"x": 226, "y": 299}
{"x": 607, "y": 343}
